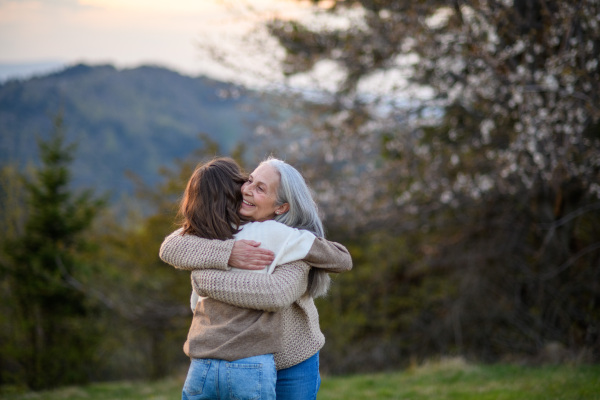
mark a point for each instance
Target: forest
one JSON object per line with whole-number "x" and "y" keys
{"x": 471, "y": 209}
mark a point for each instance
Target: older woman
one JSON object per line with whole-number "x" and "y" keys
{"x": 276, "y": 191}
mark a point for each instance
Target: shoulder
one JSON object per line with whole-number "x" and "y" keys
{"x": 270, "y": 225}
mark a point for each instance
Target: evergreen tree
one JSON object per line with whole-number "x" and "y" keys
{"x": 52, "y": 339}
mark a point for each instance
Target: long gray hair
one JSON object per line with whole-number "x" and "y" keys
{"x": 303, "y": 214}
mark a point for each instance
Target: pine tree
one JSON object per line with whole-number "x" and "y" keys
{"x": 52, "y": 338}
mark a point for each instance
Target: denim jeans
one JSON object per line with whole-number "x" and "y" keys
{"x": 251, "y": 378}
{"x": 300, "y": 382}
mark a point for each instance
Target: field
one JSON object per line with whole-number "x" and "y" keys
{"x": 447, "y": 380}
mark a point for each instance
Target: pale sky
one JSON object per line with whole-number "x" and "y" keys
{"x": 128, "y": 33}
{"x": 183, "y": 35}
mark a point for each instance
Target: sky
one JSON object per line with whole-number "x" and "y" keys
{"x": 188, "y": 36}
{"x": 178, "y": 34}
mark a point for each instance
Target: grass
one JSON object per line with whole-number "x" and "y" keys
{"x": 446, "y": 380}
{"x": 167, "y": 389}
{"x": 456, "y": 380}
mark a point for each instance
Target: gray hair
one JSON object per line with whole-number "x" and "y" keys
{"x": 302, "y": 214}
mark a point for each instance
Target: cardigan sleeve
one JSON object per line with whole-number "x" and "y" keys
{"x": 191, "y": 252}
{"x": 268, "y": 292}
{"x": 329, "y": 256}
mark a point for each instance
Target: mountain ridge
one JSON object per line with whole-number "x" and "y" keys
{"x": 136, "y": 119}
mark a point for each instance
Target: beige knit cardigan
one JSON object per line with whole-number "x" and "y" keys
{"x": 283, "y": 291}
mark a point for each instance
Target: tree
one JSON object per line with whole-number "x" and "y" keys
{"x": 483, "y": 151}
{"x": 52, "y": 339}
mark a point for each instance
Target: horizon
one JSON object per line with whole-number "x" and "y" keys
{"x": 187, "y": 36}
{"x": 26, "y": 71}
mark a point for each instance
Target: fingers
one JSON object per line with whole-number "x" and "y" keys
{"x": 256, "y": 258}
{"x": 245, "y": 256}
{"x": 252, "y": 243}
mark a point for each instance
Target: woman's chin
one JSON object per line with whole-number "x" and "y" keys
{"x": 246, "y": 214}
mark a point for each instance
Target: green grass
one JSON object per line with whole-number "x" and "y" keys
{"x": 167, "y": 389}
{"x": 447, "y": 380}
{"x": 455, "y": 380}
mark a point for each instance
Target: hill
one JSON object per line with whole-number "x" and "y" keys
{"x": 134, "y": 119}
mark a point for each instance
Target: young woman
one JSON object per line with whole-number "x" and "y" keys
{"x": 224, "y": 337}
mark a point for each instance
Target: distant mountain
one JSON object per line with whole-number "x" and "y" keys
{"x": 134, "y": 119}
{"x": 10, "y": 71}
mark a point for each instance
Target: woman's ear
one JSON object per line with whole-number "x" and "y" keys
{"x": 282, "y": 209}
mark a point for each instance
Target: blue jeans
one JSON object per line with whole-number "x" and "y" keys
{"x": 251, "y": 378}
{"x": 300, "y": 382}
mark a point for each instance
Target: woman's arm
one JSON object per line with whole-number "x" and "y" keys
{"x": 292, "y": 244}
{"x": 329, "y": 256}
{"x": 268, "y": 292}
{"x": 191, "y": 252}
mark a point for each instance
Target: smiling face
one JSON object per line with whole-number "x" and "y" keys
{"x": 260, "y": 195}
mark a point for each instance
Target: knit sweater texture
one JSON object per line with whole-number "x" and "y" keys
{"x": 278, "y": 314}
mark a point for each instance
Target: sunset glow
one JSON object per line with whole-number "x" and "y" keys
{"x": 131, "y": 32}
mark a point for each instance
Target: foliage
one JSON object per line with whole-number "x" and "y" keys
{"x": 51, "y": 333}
{"x": 464, "y": 182}
{"x": 87, "y": 296}
{"x": 474, "y": 156}
{"x": 148, "y": 300}
{"x": 447, "y": 380}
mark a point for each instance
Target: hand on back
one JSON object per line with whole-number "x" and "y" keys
{"x": 246, "y": 254}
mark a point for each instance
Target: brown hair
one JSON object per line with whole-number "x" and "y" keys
{"x": 212, "y": 198}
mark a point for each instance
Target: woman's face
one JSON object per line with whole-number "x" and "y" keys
{"x": 260, "y": 194}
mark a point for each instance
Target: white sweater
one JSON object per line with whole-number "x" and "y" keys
{"x": 288, "y": 244}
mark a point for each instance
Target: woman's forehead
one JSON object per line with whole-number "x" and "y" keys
{"x": 266, "y": 173}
